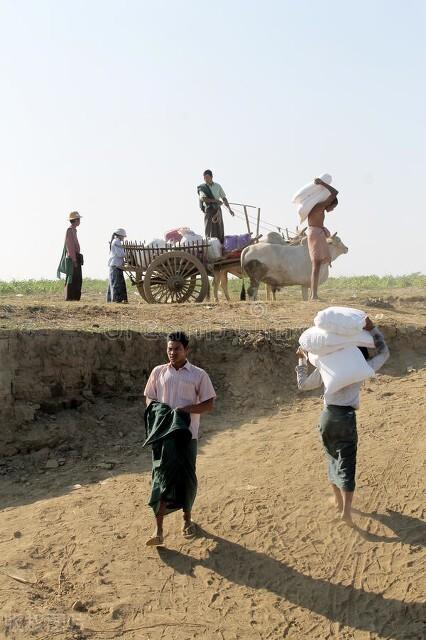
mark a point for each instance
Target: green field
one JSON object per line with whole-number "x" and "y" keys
{"x": 359, "y": 283}
{"x": 42, "y": 287}
{"x": 93, "y": 286}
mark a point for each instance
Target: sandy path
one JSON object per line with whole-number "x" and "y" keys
{"x": 269, "y": 562}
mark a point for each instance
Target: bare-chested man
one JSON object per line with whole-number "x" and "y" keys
{"x": 318, "y": 234}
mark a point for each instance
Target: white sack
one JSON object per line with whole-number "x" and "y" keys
{"x": 189, "y": 238}
{"x": 344, "y": 321}
{"x": 157, "y": 242}
{"x": 342, "y": 368}
{"x": 320, "y": 342}
{"x": 311, "y": 188}
{"x": 142, "y": 258}
{"x": 305, "y": 207}
{"x": 214, "y": 251}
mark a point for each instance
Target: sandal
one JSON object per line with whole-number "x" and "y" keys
{"x": 189, "y": 530}
{"x": 155, "y": 541}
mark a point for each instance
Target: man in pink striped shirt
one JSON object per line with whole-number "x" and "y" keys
{"x": 183, "y": 386}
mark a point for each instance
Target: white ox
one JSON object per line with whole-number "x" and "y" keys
{"x": 220, "y": 274}
{"x": 280, "y": 264}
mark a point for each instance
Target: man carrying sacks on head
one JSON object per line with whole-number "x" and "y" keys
{"x": 338, "y": 420}
{"x": 319, "y": 252}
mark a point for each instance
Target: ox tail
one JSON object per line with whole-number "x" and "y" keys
{"x": 243, "y": 288}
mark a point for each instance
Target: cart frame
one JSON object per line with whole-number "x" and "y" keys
{"x": 168, "y": 274}
{"x": 178, "y": 273}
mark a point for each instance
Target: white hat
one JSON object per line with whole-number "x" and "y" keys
{"x": 121, "y": 232}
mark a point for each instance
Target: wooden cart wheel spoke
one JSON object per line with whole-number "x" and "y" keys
{"x": 159, "y": 289}
{"x": 160, "y": 276}
{"x": 182, "y": 295}
{"x": 170, "y": 296}
{"x": 183, "y": 267}
{"x": 187, "y": 270}
{"x": 162, "y": 295}
{"x": 168, "y": 268}
{"x": 176, "y": 263}
{"x": 164, "y": 292}
{"x": 189, "y": 289}
{"x": 195, "y": 290}
{"x": 187, "y": 286}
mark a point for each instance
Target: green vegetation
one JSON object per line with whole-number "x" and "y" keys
{"x": 93, "y": 286}
{"x": 358, "y": 283}
{"x": 377, "y": 282}
{"x": 43, "y": 287}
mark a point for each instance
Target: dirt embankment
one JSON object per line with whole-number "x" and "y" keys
{"x": 46, "y": 371}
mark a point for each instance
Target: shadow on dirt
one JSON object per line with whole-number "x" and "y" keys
{"x": 346, "y": 605}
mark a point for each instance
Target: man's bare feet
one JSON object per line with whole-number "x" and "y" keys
{"x": 337, "y": 499}
{"x": 336, "y": 504}
{"x": 347, "y": 519}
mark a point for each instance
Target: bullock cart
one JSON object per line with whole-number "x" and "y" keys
{"x": 178, "y": 273}
{"x": 168, "y": 274}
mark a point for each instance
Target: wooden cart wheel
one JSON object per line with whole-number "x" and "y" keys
{"x": 176, "y": 276}
{"x": 139, "y": 285}
{"x": 141, "y": 290}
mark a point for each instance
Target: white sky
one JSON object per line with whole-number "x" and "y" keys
{"x": 115, "y": 108}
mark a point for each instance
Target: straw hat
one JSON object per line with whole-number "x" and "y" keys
{"x": 74, "y": 215}
{"x": 121, "y": 232}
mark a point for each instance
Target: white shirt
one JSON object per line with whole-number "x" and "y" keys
{"x": 116, "y": 254}
{"x": 348, "y": 396}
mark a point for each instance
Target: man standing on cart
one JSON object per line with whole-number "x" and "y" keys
{"x": 211, "y": 197}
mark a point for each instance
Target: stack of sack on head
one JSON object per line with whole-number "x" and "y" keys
{"x": 310, "y": 195}
{"x": 332, "y": 346}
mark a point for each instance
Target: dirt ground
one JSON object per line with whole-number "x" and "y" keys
{"x": 270, "y": 560}
{"x": 407, "y": 306}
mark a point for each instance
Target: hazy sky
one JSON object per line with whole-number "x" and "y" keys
{"x": 115, "y": 108}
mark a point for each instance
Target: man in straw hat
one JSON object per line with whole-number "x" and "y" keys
{"x": 74, "y": 278}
